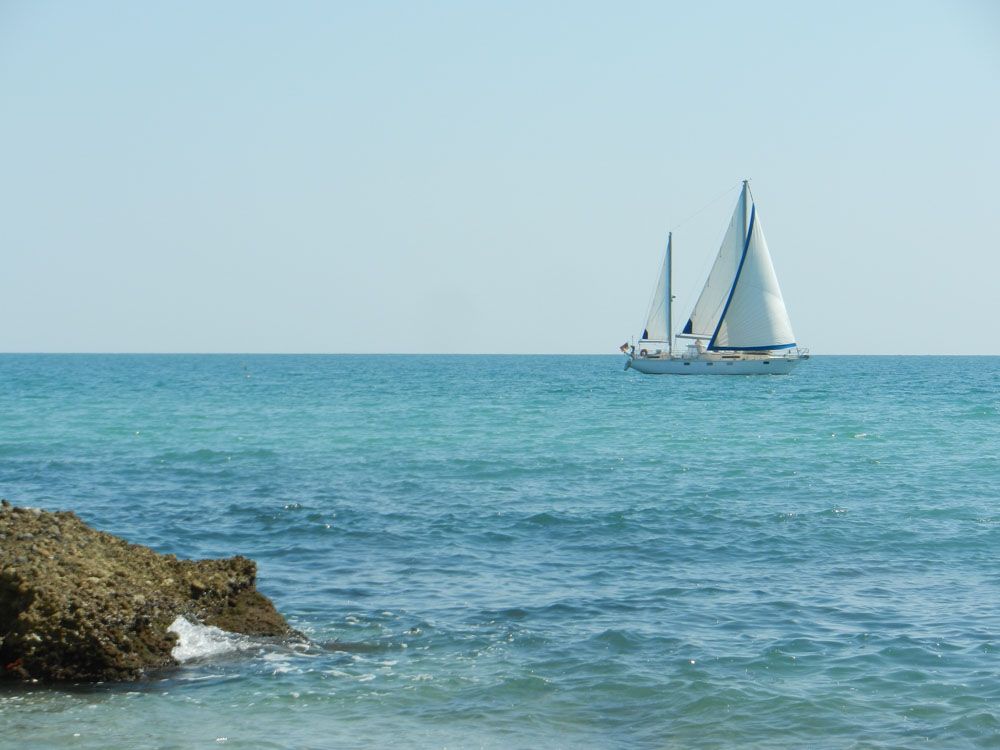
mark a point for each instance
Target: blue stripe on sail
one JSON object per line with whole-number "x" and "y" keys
{"x": 739, "y": 270}
{"x": 687, "y": 328}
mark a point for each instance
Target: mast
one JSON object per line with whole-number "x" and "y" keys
{"x": 670, "y": 293}
{"x": 746, "y": 189}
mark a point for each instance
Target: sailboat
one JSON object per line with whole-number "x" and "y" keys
{"x": 739, "y": 325}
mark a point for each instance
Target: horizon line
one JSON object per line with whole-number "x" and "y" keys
{"x": 430, "y": 354}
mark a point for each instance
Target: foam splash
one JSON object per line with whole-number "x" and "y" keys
{"x": 203, "y": 641}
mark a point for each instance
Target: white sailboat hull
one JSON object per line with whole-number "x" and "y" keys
{"x": 715, "y": 365}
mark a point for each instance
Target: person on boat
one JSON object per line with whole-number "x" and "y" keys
{"x": 623, "y": 348}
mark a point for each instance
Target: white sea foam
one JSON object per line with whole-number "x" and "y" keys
{"x": 202, "y": 641}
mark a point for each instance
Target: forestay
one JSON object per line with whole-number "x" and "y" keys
{"x": 708, "y": 309}
{"x": 741, "y": 306}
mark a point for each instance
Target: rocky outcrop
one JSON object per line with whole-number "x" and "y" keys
{"x": 80, "y": 604}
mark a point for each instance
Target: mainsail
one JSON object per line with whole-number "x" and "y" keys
{"x": 657, "y": 322}
{"x": 741, "y": 306}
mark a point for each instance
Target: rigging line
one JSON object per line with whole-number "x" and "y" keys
{"x": 701, "y": 210}
{"x": 708, "y": 205}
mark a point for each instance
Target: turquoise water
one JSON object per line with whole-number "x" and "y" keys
{"x": 523, "y": 552}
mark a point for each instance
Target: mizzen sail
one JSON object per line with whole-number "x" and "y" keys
{"x": 657, "y": 322}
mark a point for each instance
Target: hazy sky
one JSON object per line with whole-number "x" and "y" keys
{"x": 488, "y": 176}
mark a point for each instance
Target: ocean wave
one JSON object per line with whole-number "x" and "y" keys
{"x": 199, "y": 642}
{"x": 210, "y": 456}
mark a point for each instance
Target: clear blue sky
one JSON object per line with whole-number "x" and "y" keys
{"x": 490, "y": 177}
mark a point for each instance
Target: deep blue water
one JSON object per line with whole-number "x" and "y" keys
{"x": 522, "y": 552}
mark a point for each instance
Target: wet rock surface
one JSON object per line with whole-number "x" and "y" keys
{"x": 82, "y": 605}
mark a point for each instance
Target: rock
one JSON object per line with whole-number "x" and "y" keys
{"x": 83, "y": 605}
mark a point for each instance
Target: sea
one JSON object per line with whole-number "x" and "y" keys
{"x": 536, "y": 551}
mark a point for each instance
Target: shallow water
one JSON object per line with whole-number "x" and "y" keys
{"x": 516, "y": 552}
